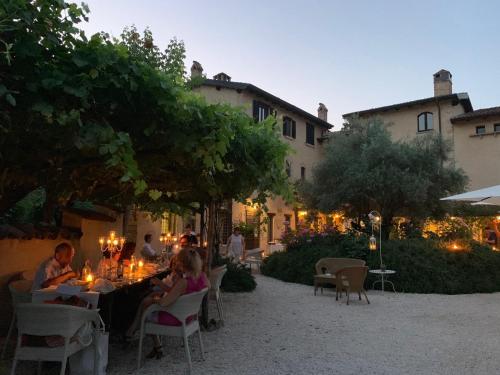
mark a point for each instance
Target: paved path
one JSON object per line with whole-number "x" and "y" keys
{"x": 282, "y": 328}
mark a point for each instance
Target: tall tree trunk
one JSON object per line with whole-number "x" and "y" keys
{"x": 210, "y": 233}
{"x": 208, "y": 259}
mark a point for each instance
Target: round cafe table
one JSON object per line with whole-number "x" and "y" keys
{"x": 382, "y": 278}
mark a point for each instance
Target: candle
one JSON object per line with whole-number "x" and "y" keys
{"x": 141, "y": 263}
{"x": 89, "y": 278}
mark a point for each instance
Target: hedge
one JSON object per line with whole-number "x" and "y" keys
{"x": 422, "y": 265}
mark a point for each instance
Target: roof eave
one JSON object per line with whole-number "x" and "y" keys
{"x": 272, "y": 98}
{"x": 463, "y": 99}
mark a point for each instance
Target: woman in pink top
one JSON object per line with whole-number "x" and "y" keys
{"x": 194, "y": 280}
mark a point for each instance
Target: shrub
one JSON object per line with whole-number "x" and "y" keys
{"x": 422, "y": 265}
{"x": 238, "y": 278}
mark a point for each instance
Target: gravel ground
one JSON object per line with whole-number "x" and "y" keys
{"x": 282, "y": 328}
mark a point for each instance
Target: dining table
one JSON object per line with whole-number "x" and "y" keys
{"x": 118, "y": 303}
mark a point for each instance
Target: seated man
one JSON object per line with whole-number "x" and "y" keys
{"x": 147, "y": 252}
{"x": 56, "y": 269}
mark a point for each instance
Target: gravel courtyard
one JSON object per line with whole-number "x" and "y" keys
{"x": 282, "y": 328}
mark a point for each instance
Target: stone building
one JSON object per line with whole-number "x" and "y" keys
{"x": 302, "y": 131}
{"x": 474, "y": 134}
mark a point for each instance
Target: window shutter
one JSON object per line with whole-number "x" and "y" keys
{"x": 284, "y": 126}
{"x": 293, "y": 129}
{"x": 256, "y": 110}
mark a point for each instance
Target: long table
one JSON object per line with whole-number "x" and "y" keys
{"x": 117, "y": 307}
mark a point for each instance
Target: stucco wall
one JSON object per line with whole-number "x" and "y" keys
{"x": 478, "y": 155}
{"x": 17, "y": 256}
{"x": 404, "y": 124}
{"x": 89, "y": 242}
{"x": 303, "y": 155}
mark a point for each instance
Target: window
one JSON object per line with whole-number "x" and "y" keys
{"x": 481, "y": 129}
{"x": 168, "y": 223}
{"x": 260, "y": 111}
{"x": 288, "y": 168}
{"x": 270, "y": 227}
{"x": 310, "y": 134}
{"x": 288, "y": 222}
{"x": 289, "y": 127}
{"x": 425, "y": 122}
{"x": 303, "y": 173}
{"x": 496, "y": 127}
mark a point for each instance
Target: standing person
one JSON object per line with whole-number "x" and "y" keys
{"x": 236, "y": 245}
{"x": 147, "y": 251}
{"x": 188, "y": 231}
{"x": 55, "y": 270}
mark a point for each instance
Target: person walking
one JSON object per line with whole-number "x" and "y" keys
{"x": 236, "y": 245}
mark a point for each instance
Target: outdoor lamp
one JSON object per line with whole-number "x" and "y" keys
{"x": 373, "y": 243}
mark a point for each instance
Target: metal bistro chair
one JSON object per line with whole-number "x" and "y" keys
{"x": 216, "y": 276}
{"x": 38, "y": 319}
{"x": 186, "y": 306}
{"x": 20, "y": 292}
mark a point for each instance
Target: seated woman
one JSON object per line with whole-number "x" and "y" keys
{"x": 193, "y": 281}
{"x": 127, "y": 252}
{"x": 161, "y": 288}
{"x": 108, "y": 264}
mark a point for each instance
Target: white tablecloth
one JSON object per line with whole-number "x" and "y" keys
{"x": 51, "y": 293}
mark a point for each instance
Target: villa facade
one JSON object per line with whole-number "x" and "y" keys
{"x": 474, "y": 134}
{"x": 302, "y": 131}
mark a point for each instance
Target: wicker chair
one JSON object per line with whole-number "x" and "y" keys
{"x": 216, "y": 276}
{"x": 28, "y": 274}
{"x": 186, "y": 306}
{"x": 353, "y": 280}
{"x": 326, "y": 268}
{"x": 20, "y": 292}
{"x": 47, "y": 320}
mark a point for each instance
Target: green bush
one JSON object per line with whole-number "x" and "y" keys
{"x": 422, "y": 265}
{"x": 238, "y": 278}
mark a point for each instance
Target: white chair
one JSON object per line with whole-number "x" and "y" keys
{"x": 216, "y": 276}
{"x": 48, "y": 320}
{"x": 186, "y": 306}
{"x": 29, "y": 274}
{"x": 20, "y": 292}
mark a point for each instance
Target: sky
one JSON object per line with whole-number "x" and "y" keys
{"x": 349, "y": 55}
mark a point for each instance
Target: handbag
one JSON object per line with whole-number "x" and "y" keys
{"x": 82, "y": 362}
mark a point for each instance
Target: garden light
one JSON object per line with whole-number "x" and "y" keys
{"x": 373, "y": 243}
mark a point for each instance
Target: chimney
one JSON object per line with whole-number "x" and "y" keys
{"x": 322, "y": 112}
{"x": 442, "y": 83}
{"x": 222, "y": 77}
{"x": 196, "y": 69}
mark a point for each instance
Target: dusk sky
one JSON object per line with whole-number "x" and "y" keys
{"x": 350, "y": 55}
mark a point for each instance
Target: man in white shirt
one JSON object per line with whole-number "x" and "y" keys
{"x": 55, "y": 270}
{"x": 147, "y": 251}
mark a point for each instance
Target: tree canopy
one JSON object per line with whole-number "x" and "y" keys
{"x": 114, "y": 122}
{"x": 364, "y": 169}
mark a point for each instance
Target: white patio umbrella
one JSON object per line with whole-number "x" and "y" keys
{"x": 487, "y": 196}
